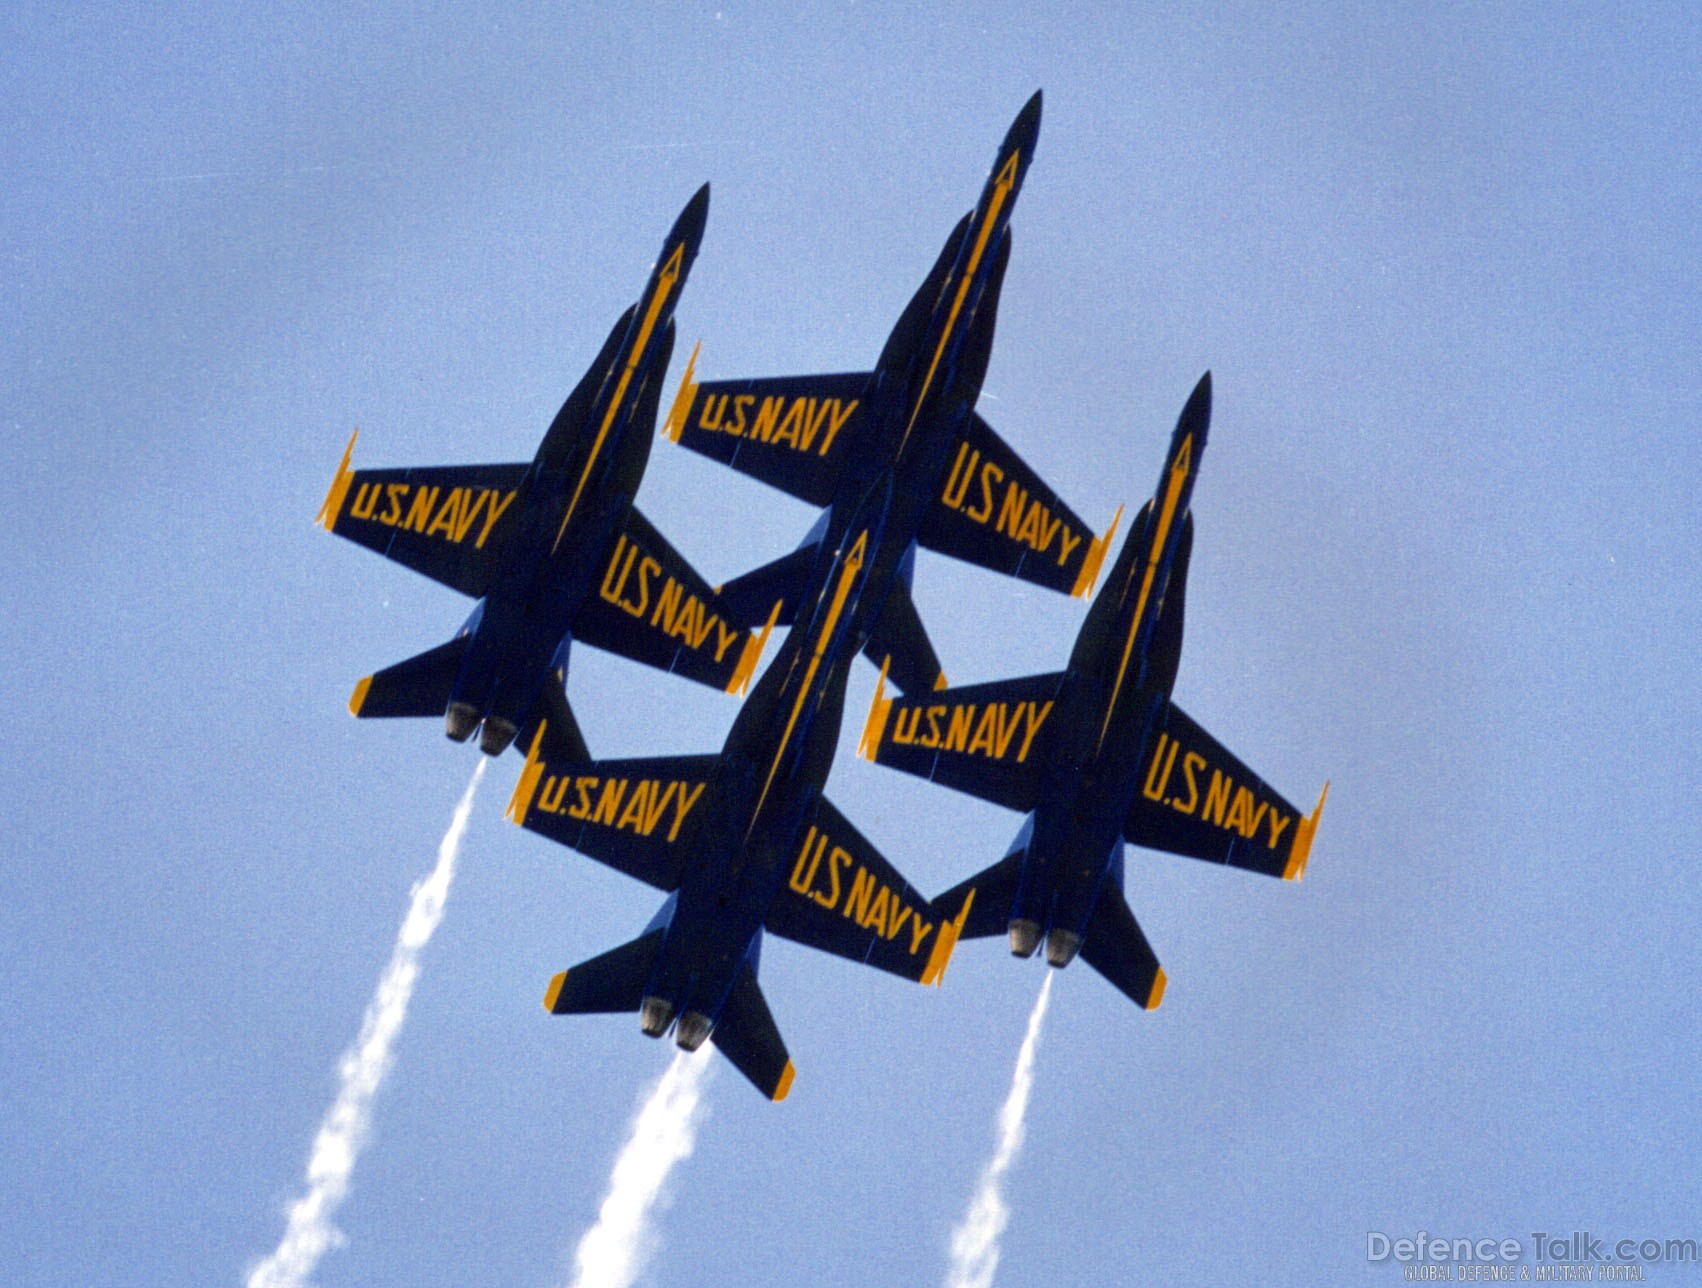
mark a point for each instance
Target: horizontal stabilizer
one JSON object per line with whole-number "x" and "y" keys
{"x": 900, "y": 646}
{"x": 791, "y": 432}
{"x": 995, "y": 511}
{"x": 418, "y": 687}
{"x": 636, "y": 816}
{"x": 990, "y": 740}
{"x": 611, "y": 982}
{"x": 1197, "y": 799}
{"x": 747, "y": 1035}
{"x": 751, "y": 597}
{"x": 653, "y": 607}
{"x": 842, "y": 896}
{"x": 1117, "y": 948}
{"x": 554, "y": 718}
{"x": 994, "y": 892}
{"x": 448, "y": 522}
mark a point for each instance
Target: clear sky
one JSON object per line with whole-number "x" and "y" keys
{"x": 1443, "y": 265}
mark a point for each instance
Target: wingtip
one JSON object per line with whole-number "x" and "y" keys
{"x": 945, "y": 943}
{"x": 783, "y": 1088}
{"x": 1157, "y": 995}
{"x": 1301, "y": 851}
{"x": 553, "y": 993}
{"x": 332, "y": 506}
{"x": 520, "y": 803}
{"x": 357, "y": 699}
{"x": 875, "y": 726}
{"x": 751, "y": 655}
{"x": 1091, "y": 562}
{"x": 675, "y": 423}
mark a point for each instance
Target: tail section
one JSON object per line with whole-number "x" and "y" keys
{"x": 1117, "y": 948}
{"x": 418, "y": 687}
{"x": 994, "y": 890}
{"x": 900, "y": 646}
{"x": 747, "y": 1035}
{"x": 610, "y": 983}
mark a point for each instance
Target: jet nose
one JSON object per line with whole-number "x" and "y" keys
{"x": 688, "y": 228}
{"x": 1025, "y": 130}
{"x": 1196, "y": 414}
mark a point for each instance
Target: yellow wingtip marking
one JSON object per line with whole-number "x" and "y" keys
{"x": 357, "y": 700}
{"x": 1090, "y": 564}
{"x": 674, "y": 425}
{"x": 783, "y": 1088}
{"x": 875, "y": 725}
{"x": 553, "y": 992}
{"x": 940, "y": 682}
{"x": 1157, "y": 994}
{"x": 755, "y": 644}
{"x": 527, "y": 787}
{"x": 945, "y": 943}
{"x": 1302, "y": 848}
{"x": 333, "y": 503}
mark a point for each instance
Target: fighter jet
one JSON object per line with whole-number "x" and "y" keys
{"x": 745, "y": 841}
{"x": 958, "y": 488}
{"x": 1098, "y": 755}
{"x": 553, "y": 551}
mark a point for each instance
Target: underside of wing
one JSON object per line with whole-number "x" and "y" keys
{"x": 995, "y": 511}
{"x": 653, "y": 607}
{"x": 629, "y": 814}
{"x": 1197, "y": 799}
{"x": 989, "y": 740}
{"x": 446, "y": 521}
{"x": 791, "y": 432}
{"x": 842, "y": 896}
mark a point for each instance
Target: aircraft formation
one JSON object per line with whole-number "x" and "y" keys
{"x": 745, "y": 841}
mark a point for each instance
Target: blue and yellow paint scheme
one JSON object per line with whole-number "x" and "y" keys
{"x": 1097, "y": 755}
{"x": 960, "y": 489}
{"x": 745, "y": 842}
{"x": 553, "y": 550}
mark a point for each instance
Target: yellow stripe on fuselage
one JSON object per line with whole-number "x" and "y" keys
{"x": 847, "y": 574}
{"x": 664, "y": 287}
{"x": 1001, "y": 189}
{"x": 1166, "y": 515}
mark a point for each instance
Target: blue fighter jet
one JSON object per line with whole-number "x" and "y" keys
{"x": 554, "y": 550}
{"x": 1098, "y": 755}
{"x": 745, "y": 841}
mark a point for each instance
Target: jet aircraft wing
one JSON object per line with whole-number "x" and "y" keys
{"x": 989, "y": 740}
{"x": 653, "y": 607}
{"x": 791, "y": 432}
{"x": 446, "y": 521}
{"x": 1197, "y": 799}
{"x": 629, "y": 814}
{"x": 843, "y": 897}
{"x": 995, "y": 511}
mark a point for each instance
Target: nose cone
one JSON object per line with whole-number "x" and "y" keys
{"x": 1196, "y": 414}
{"x": 1025, "y": 130}
{"x": 688, "y": 228}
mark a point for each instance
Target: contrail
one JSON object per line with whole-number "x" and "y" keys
{"x": 310, "y": 1233}
{"x": 613, "y": 1250}
{"x": 975, "y": 1241}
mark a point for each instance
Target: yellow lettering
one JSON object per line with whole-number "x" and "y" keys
{"x": 724, "y": 638}
{"x": 366, "y": 500}
{"x": 796, "y": 418}
{"x": 394, "y": 494}
{"x": 896, "y": 917}
{"x": 1279, "y": 825}
{"x": 837, "y": 422}
{"x": 875, "y": 918}
{"x": 740, "y": 403}
{"x": 918, "y": 932}
{"x": 1014, "y": 512}
{"x": 857, "y": 902}
{"x": 582, "y": 787}
{"x": 933, "y": 738}
{"x": 959, "y": 470}
{"x": 493, "y": 512}
{"x": 1069, "y": 542}
{"x": 801, "y": 880}
{"x": 986, "y": 731}
{"x": 1241, "y": 812}
{"x": 637, "y": 805}
{"x": 419, "y": 513}
{"x": 1153, "y": 788}
{"x": 836, "y": 860}
{"x": 449, "y": 513}
{"x": 904, "y": 727}
{"x": 991, "y": 475}
{"x": 1217, "y": 797}
{"x": 1035, "y": 720}
{"x": 549, "y": 800}
{"x": 1192, "y": 763}
{"x": 609, "y": 804}
{"x": 683, "y": 801}
{"x": 767, "y": 416}
{"x": 716, "y": 404}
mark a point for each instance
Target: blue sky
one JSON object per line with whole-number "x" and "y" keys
{"x": 1443, "y": 265}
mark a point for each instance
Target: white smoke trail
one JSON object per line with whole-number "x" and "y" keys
{"x": 664, "y": 1131}
{"x": 310, "y": 1233}
{"x": 975, "y": 1241}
